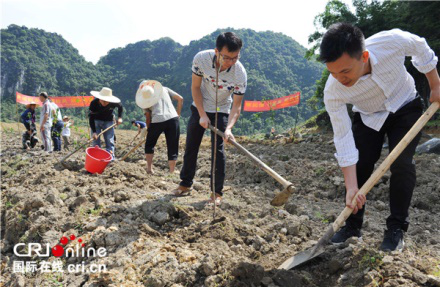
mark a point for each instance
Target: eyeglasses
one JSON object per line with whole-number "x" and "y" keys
{"x": 229, "y": 59}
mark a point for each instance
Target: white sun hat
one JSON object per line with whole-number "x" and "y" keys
{"x": 105, "y": 94}
{"x": 148, "y": 93}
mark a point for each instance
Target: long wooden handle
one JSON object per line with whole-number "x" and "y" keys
{"x": 133, "y": 149}
{"x": 385, "y": 165}
{"x": 86, "y": 143}
{"x": 256, "y": 160}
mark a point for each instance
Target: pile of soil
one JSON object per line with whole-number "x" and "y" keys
{"x": 152, "y": 238}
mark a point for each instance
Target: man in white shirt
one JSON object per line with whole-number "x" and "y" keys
{"x": 370, "y": 74}
{"x": 231, "y": 88}
{"x": 57, "y": 126}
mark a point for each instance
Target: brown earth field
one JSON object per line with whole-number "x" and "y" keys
{"x": 135, "y": 233}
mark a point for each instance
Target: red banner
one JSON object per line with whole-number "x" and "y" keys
{"x": 275, "y": 104}
{"x": 62, "y": 102}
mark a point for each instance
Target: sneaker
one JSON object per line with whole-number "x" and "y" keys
{"x": 392, "y": 240}
{"x": 345, "y": 233}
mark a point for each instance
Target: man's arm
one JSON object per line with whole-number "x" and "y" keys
{"x": 434, "y": 84}
{"x": 351, "y": 186}
{"x": 139, "y": 131}
{"x": 198, "y": 100}
{"x": 148, "y": 118}
{"x": 46, "y": 116}
{"x": 346, "y": 152}
{"x": 92, "y": 109}
{"x": 233, "y": 116}
{"x": 120, "y": 110}
{"x": 175, "y": 96}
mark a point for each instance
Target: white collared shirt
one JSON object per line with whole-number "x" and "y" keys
{"x": 384, "y": 91}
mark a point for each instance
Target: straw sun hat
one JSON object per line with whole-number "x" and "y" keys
{"x": 105, "y": 94}
{"x": 30, "y": 104}
{"x": 148, "y": 93}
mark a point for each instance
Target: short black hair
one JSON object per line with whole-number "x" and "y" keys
{"x": 230, "y": 40}
{"x": 339, "y": 39}
{"x": 44, "y": 94}
{"x": 132, "y": 122}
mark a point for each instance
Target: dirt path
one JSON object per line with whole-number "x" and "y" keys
{"x": 154, "y": 239}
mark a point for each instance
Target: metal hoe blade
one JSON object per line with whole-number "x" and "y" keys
{"x": 282, "y": 197}
{"x": 313, "y": 252}
{"x": 300, "y": 258}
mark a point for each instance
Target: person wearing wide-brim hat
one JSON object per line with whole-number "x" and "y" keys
{"x": 101, "y": 117}
{"x": 161, "y": 117}
{"x": 28, "y": 116}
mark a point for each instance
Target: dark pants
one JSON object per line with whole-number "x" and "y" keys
{"x": 56, "y": 135}
{"x": 193, "y": 140}
{"x": 171, "y": 129}
{"x": 403, "y": 171}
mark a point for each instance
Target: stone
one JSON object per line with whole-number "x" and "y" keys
{"x": 160, "y": 218}
{"x": 431, "y": 146}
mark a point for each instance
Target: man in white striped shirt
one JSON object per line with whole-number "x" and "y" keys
{"x": 370, "y": 74}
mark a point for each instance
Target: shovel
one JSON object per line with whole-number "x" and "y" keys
{"x": 280, "y": 198}
{"x": 82, "y": 146}
{"x": 318, "y": 249}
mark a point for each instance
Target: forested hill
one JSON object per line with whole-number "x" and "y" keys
{"x": 34, "y": 60}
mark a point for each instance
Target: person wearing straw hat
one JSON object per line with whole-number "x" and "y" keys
{"x": 46, "y": 122}
{"x": 231, "y": 88}
{"x": 101, "y": 117}
{"x": 161, "y": 117}
{"x": 65, "y": 133}
{"x": 370, "y": 75}
{"x": 29, "y": 137}
{"x": 28, "y": 116}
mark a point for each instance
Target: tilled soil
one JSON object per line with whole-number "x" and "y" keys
{"x": 152, "y": 238}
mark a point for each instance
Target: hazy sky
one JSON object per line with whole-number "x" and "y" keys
{"x": 96, "y": 26}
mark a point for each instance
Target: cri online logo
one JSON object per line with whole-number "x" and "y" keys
{"x": 58, "y": 250}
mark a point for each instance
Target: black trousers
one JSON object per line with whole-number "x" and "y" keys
{"x": 193, "y": 140}
{"x": 56, "y": 135}
{"x": 171, "y": 129}
{"x": 403, "y": 171}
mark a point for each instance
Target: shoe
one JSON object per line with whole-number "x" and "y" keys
{"x": 393, "y": 240}
{"x": 181, "y": 191}
{"x": 345, "y": 233}
{"x": 218, "y": 199}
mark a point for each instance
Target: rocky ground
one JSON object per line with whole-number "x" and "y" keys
{"x": 154, "y": 239}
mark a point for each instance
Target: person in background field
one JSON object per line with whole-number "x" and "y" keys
{"x": 29, "y": 138}
{"x": 65, "y": 133}
{"x": 142, "y": 128}
{"x": 28, "y": 116}
{"x": 101, "y": 117}
{"x": 370, "y": 74}
{"x": 57, "y": 126}
{"x": 46, "y": 122}
{"x": 231, "y": 89}
{"x": 161, "y": 117}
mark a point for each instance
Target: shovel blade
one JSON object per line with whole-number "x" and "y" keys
{"x": 300, "y": 258}
{"x": 282, "y": 197}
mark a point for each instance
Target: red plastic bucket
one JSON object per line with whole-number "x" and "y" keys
{"x": 97, "y": 159}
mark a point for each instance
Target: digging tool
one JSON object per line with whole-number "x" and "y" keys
{"x": 214, "y": 160}
{"x": 318, "y": 249}
{"x": 127, "y": 146}
{"x": 281, "y": 197}
{"x": 85, "y": 144}
{"x": 133, "y": 149}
